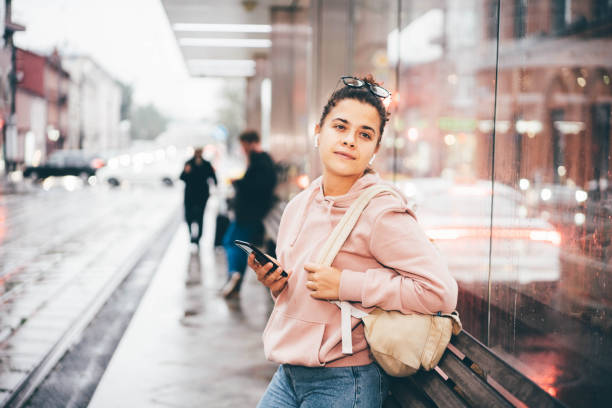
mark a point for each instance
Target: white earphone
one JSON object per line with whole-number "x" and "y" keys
{"x": 372, "y": 159}
{"x": 316, "y": 141}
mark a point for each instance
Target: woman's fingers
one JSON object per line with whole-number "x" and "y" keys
{"x": 260, "y": 271}
{"x": 269, "y": 279}
{"x": 280, "y": 284}
{"x": 252, "y": 262}
{"x": 274, "y": 276}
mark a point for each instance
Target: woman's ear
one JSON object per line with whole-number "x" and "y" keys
{"x": 317, "y": 131}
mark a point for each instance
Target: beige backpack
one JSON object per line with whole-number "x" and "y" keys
{"x": 401, "y": 344}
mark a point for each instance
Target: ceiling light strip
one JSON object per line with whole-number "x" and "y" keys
{"x": 223, "y": 28}
{"x": 225, "y": 42}
{"x": 221, "y": 63}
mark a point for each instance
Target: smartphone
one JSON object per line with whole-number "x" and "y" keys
{"x": 260, "y": 257}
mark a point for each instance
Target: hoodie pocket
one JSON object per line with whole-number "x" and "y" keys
{"x": 288, "y": 340}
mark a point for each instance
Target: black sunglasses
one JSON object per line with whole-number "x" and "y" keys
{"x": 359, "y": 83}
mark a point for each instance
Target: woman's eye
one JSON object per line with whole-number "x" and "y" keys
{"x": 341, "y": 127}
{"x": 366, "y": 135}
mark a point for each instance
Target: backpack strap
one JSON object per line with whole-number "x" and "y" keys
{"x": 332, "y": 246}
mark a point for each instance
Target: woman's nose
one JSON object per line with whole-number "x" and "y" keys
{"x": 349, "y": 139}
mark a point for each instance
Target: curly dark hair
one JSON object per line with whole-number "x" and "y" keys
{"x": 363, "y": 95}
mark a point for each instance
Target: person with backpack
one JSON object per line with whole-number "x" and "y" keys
{"x": 386, "y": 261}
{"x": 254, "y": 197}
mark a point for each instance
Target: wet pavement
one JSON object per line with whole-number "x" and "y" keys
{"x": 187, "y": 346}
{"x": 62, "y": 254}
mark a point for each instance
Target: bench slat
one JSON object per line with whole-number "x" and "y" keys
{"x": 474, "y": 390}
{"x": 437, "y": 390}
{"x": 407, "y": 394}
{"x": 391, "y": 402}
{"x": 514, "y": 382}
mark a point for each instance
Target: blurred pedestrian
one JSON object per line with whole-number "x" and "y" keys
{"x": 196, "y": 173}
{"x": 253, "y": 200}
{"x": 386, "y": 261}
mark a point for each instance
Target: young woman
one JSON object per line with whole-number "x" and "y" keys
{"x": 387, "y": 261}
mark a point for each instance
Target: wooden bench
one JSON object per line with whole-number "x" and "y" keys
{"x": 468, "y": 375}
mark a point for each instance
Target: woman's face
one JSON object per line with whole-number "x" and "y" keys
{"x": 348, "y": 138}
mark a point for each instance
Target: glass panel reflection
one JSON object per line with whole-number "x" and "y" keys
{"x": 446, "y": 56}
{"x": 550, "y": 311}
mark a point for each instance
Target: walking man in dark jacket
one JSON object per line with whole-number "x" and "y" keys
{"x": 195, "y": 174}
{"x": 253, "y": 200}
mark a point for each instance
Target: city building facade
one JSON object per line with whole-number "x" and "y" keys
{"x": 41, "y": 107}
{"x": 94, "y": 107}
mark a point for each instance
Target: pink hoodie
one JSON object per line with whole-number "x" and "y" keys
{"x": 386, "y": 261}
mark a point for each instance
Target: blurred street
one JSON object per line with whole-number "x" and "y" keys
{"x": 62, "y": 253}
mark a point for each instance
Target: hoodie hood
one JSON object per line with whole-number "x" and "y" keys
{"x": 345, "y": 200}
{"x": 316, "y": 196}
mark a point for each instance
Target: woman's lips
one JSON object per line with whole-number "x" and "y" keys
{"x": 345, "y": 155}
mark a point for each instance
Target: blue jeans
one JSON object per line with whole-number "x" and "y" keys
{"x": 236, "y": 258}
{"x": 330, "y": 387}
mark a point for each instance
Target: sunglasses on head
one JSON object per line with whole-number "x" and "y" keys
{"x": 359, "y": 83}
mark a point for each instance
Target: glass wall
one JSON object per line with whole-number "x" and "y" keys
{"x": 500, "y": 134}
{"x": 447, "y": 73}
{"x": 550, "y": 302}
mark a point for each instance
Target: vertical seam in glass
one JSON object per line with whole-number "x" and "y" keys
{"x": 319, "y": 17}
{"x": 351, "y": 43}
{"x": 397, "y": 77}
{"x": 488, "y": 338}
{"x": 293, "y": 52}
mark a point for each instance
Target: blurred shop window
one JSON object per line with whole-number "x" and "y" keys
{"x": 602, "y": 9}
{"x": 520, "y": 18}
{"x": 601, "y": 147}
{"x": 561, "y": 15}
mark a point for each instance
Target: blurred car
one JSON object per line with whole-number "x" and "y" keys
{"x": 457, "y": 217}
{"x": 140, "y": 168}
{"x": 67, "y": 163}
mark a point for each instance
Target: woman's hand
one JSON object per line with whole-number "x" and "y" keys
{"x": 273, "y": 281}
{"x": 323, "y": 281}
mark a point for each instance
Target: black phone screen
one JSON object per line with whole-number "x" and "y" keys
{"x": 260, "y": 257}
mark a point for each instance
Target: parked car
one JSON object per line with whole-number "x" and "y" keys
{"x": 66, "y": 163}
{"x": 140, "y": 168}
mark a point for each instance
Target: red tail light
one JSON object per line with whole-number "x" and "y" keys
{"x": 97, "y": 163}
